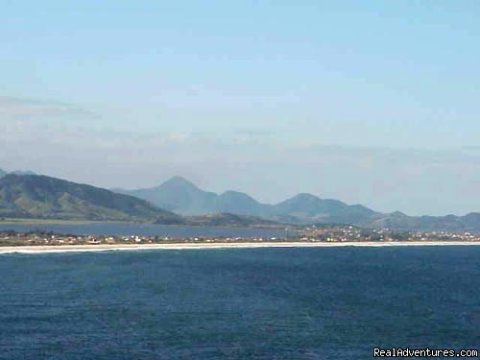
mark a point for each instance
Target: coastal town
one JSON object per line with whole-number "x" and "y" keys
{"x": 329, "y": 234}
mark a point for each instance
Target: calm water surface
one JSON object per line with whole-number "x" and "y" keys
{"x": 125, "y": 229}
{"x": 329, "y": 303}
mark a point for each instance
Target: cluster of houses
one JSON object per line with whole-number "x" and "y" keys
{"x": 339, "y": 233}
{"x": 17, "y": 239}
{"x": 335, "y": 233}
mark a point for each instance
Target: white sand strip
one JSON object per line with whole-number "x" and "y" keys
{"x": 180, "y": 246}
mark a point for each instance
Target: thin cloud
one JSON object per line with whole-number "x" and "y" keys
{"x": 23, "y": 108}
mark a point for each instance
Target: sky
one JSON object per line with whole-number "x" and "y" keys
{"x": 363, "y": 101}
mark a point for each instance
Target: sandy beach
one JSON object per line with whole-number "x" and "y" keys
{"x": 190, "y": 246}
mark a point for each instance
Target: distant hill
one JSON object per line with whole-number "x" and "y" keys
{"x": 17, "y": 172}
{"x": 23, "y": 172}
{"x": 240, "y": 203}
{"x": 35, "y": 196}
{"x": 226, "y": 219}
{"x": 181, "y": 196}
{"x": 46, "y": 197}
{"x": 400, "y": 221}
{"x": 311, "y": 209}
{"x": 177, "y": 195}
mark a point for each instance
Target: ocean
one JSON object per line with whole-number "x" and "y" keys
{"x": 269, "y": 303}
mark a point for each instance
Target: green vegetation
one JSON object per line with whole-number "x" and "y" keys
{"x": 226, "y": 219}
{"x": 32, "y": 221}
{"x": 34, "y": 199}
{"x": 182, "y": 197}
{"x": 42, "y": 197}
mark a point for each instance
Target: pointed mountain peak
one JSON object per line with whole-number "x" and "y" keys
{"x": 178, "y": 180}
{"x": 305, "y": 197}
{"x": 236, "y": 195}
{"x": 398, "y": 213}
{"x": 179, "y": 183}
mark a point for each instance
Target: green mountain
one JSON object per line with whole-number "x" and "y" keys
{"x": 183, "y": 197}
{"x": 242, "y": 204}
{"x": 34, "y": 196}
{"x": 399, "y": 221}
{"x": 17, "y": 172}
{"x": 311, "y": 209}
{"x": 23, "y": 172}
{"x": 177, "y": 195}
{"x": 226, "y": 219}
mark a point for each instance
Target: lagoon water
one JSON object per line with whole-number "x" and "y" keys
{"x": 126, "y": 229}
{"x": 317, "y": 303}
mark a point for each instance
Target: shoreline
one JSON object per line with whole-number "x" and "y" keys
{"x": 42, "y": 249}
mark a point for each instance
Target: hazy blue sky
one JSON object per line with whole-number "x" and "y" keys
{"x": 372, "y": 102}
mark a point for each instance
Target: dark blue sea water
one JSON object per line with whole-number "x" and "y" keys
{"x": 125, "y": 229}
{"x": 328, "y": 303}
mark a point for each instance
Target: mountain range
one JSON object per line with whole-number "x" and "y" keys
{"x": 16, "y": 172}
{"x": 178, "y": 201}
{"x": 43, "y": 197}
{"x": 34, "y": 196}
{"x": 183, "y": 197}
